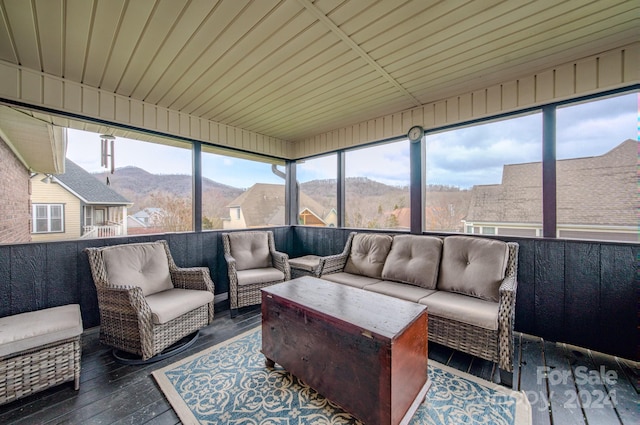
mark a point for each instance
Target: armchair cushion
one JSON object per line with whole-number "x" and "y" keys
{"x": 262, "y": 275}
{"x": 473, "y": 266}
{"x": 368, "y": 254}
{"x": 142, "y": 265}
{"x": 173, "y": 303}
{"x": 250, "y": 250}
{"x": 414, "y": 259}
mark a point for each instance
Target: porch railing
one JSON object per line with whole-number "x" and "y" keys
{"x": 105, "y": 231}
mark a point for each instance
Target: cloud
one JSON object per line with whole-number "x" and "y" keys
{"x": 461, "y": 157}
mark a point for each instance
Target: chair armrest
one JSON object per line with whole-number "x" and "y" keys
{"x": 124, "y": 300}
{"x": 281, "y": 262}
{"x": 197, "y": 278}
{"x": 332, "y": 263}
{"x": 506, "y": 320}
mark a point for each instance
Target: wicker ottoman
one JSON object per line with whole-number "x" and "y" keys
{"x": 38, "y": 350}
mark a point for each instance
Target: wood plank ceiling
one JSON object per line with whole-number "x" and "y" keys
{"x": 291, "y": 69}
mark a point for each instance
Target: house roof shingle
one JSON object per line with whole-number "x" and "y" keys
{"x": 599, "y": 190}
{"x": 88, "y": 187}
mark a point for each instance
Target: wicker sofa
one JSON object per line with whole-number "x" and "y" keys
{"x": 468, "y": 283}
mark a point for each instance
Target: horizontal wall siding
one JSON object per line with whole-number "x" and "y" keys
{"x": 606, "y": 71}
{"x": 57, "y": 94}
{"x": 578, "y": 292}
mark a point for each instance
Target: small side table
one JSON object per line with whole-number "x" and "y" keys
{"x": 304, "y": 266}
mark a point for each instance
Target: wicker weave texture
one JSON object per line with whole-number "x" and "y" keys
{"x": 34, "y": 370}
{"x": 496, "y": 346}
{"x": 246, "y": 295}
{"x": 125, "y": 317}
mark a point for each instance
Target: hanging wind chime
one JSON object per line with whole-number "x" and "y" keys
{"x": 107, "y": 157}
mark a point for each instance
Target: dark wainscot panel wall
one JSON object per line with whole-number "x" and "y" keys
{"x": 580, "y": 292}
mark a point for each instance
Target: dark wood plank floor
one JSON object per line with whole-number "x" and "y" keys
{"x": 565, "y": 384}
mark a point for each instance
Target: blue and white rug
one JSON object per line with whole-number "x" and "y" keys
{"x": 229, "y": 384}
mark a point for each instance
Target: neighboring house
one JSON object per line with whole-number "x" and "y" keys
{"x": 27, "y": 145}
{"x": 596, "y": 198}
{"x": 75, "y": 204}
{"x": 263, "y": 205}
{"x": 146, "y": 221}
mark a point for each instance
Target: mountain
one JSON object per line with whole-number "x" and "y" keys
{"x": 140, "y": 186}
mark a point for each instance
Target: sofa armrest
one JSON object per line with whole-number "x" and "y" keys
{"x": 281, "y": 262}
{"x": 332, "y": 263}
{"x": 506, "y": 320}
{"x": 124, "y": 301}
{"x": 335, "y": 263}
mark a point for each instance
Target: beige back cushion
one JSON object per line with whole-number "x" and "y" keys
{"x": 142, "y": 265}
{"x": 473, "y": 266}
{"x": 250, "y": 250}
{"x": 368, "y": 254}
{"x": 414, "y": 259}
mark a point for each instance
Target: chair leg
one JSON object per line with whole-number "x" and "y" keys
{"x": 506, "y": 378}
{"x": 233, "y": 312}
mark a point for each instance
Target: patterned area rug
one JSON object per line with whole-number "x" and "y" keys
{"x": 229, "y": 384}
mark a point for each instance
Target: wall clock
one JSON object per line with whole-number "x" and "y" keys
{"x": 415, "y": 133}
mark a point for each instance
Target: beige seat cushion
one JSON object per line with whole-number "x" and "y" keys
{"x": 250, "y": 250}
{"x": 473, "y": 266}
{"x": 400, "y": 290}
{"x": 308, "y": 262}
{"x": 173, "y": 303}
{"x": 354, "y": 280}
{"x": 368, "y": 254}
{"x": 143, "y": 265}
{"x": 462, "y": 308}
{"x": 33, "y": 329}
{"x": 263, "y": 275}
{"x": 414, "y": 259}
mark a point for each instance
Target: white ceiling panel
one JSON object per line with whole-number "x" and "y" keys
{"x": 291, "y": 69}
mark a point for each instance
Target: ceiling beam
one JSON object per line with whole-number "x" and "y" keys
{"x": 356, "y": 48}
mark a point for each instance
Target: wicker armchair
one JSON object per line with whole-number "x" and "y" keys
{"x": 146, "y": 302}
{"x": 253, "y": 263}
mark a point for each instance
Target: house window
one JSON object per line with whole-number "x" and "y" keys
{"x": 488, "y": 230}
{"x": 88, "y": 216}
{"x": 238, "y": 213}
{"x": 48, "y": 218}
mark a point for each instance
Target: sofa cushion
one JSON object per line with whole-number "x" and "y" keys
{"x": 144, "y": 265}
{"x": 250, "y": 250}
{"x": 33, "y": 329}
{"x": 173, "y": 303}
{"x": 263, "y": 275}
{"x": 368, "y": 254}
{"x": 473, "y": 266}
{"x": 462, "y": 308}
{"x": 414, "y": 259}
{"x": 400, "y": 290}
{"x": 354, "y": 280}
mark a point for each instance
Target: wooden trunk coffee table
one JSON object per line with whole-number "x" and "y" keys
{"x": 365, "y": 351}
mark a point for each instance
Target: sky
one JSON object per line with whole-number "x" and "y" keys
{"x": 461, "y": 157}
